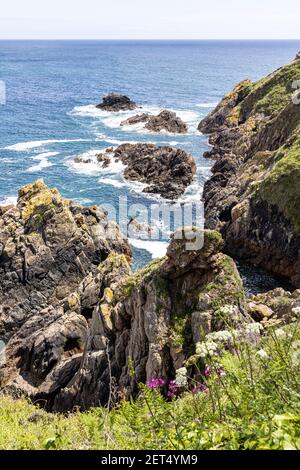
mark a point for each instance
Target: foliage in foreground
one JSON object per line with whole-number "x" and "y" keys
{"x": 252, "y": 404}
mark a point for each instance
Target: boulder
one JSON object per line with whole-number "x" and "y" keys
{"x": 116, "y": 102}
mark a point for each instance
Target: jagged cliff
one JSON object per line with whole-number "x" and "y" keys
{"x": 114, "y": 328}
{"x": 253, "y": 197}
{"x": 47, "y": 246}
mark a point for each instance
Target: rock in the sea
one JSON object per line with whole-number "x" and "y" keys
{"x": 253, "y": 195}
{"x": 139, "y": 118}
{"x": 166, "y": 171}
{"x": 118, "y": 329}
{"x": 116, "y": 102}
{"x": 165, "y": 121}
{"x": 47, "y": 247}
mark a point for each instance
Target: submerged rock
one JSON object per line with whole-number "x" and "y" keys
{"x": 165, "y": 121}
{"x": 117, "y": 102}
{"x": 253, "y": 195}
{"x": 47, "y": 246}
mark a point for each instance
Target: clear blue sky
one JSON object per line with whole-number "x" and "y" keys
{"x": 150, "y": 19}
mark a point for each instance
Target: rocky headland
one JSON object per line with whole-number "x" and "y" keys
{"x": 166, "y": 171}
{"x": 253, "y": 197}
{"x": 115, "y": 102}
{"x": 166, "y": 121}
{"x": 83, "y": 330}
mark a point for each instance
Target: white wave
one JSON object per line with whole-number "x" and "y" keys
{"x": 24, "y": 146}
{"x": 92, "y": 166}
{"x": 82, "y": 200}
{"x": 157, "y": 249}
{"x": 43, "y": 161}
{"x": 207, "y": 105}
{"x": 114, "y": 119}
{"x": 8, "y": 201}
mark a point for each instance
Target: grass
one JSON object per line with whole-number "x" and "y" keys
{"x": 281, "y": 186}
{"x": 254, "y": 404}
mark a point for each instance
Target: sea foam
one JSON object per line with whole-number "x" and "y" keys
{"x": 43, "y": 161}
{"x": 25, "y": 146}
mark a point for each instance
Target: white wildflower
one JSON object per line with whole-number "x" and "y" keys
{"x": 279, "y": 333}
{"x": 255, "y": 328}
{"x": 181, "y": 377}
{"x": 207, "y": 348}
{"x": 223, "y": 336}
{"x": 227, "y": 310}
{"x": 295, "y": 355}
{"x": 296, "y": 310}
{"x": 262, "y": 354}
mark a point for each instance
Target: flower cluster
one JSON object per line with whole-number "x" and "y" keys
{"x": 156, "y": 383}
{"x": 295, "y": 353}
{"x": 181, "y": 377}
{"x": 173, "y": 389}
{"x": 217, "y": 368}
{"x": 207, "y": 348}
{"x": 262, "y": 354}
{"x": 200, "y": 388}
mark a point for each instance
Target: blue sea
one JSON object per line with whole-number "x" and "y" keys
{"x": 52, "y": 88}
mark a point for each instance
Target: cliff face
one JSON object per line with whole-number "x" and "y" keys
{"x": 112, "y": 329}
{"x": 84, "y": 330}
{"x": 253, "y": 197}
{"x": 47, "y": 246}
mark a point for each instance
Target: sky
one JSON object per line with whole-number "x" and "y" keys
{"x": 150, "y": 19}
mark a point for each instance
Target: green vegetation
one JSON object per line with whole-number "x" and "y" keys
{"x": 249, "y": 400}
{"x": 271, "y": 94}
{"x": 281, "y": 186}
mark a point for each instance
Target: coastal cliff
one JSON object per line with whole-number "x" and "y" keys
{"x": 101, "y": 330}
{"x": 253, "y": 196}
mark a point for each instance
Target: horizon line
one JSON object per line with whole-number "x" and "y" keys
{"x": 150, "y": 39}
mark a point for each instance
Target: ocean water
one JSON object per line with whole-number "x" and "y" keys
{"x": 50, "y": 116}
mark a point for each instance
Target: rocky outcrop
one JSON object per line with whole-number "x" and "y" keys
{"x": 140, "y": 326}
{"x": 165, "y": 121}
{"x": 103, "y": 159}
{"x": 277, "y": 307}
{"x": 139, "y": 118}
{"x": 253, "y": 196}
{"x": 47, "y": 247}
{"x": 166, "y": 171}
{"x": 116, "y": 102}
